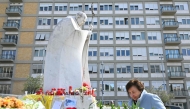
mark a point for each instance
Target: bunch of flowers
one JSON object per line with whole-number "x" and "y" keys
{"x": 11, "y": 102}
{"x": 33, "y": 104}
{"x": 86, "y": 90}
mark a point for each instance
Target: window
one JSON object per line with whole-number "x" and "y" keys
{"x": 89, "y": 20}
{"x": 188, "y": 85}
{"x": 88, "y": 7}
{"x": 57, "y": 20}
{"x": 92, "y": 68}
{"x": 137, "y": 21}
{"x": 11, "y": 38}
{"x": 186, "y": 52}
{"x": 44, "y": 21}
{"x": 8, "y": 54}
{"x": 120, "y": 6}
{"x": 136, "y": 6}
{"x": 138, "y": 35}
{"x": 123, "y": 68}
{"x": 187, "y": 68}
{"x": 42, "y": 36}
{"x": 123, "y": 51}
{"x": 176, "y": 87}
{"x": 154, "y": 35}
{"x": 172, "y": 51}
{"x": 151, "y": 6}
{"x": 122, "y": 35}
{"x": 60, "y": 7}
{"x": 184, "y": 35}
{"x": 158, "y": 85}
{"x": 140, "y": 68}
{"x": 39, "y": 52}
{"x": 169, "y": 35}
{"x": 106, "y": 21}
{"x": 92, "y": 51}
{"x": 106, "y": 51}
{"x": 6, "y": 71}
{"x": 152, "y": 21}
{"x": 174, "y": 68}
{"x": 93, "y": 36}
{"x": 106, "y": 35}
{"x": 37, "y": 69}
{"x": 139, "y": 51}
{"x": 5, "y": 88}
{"x": 75, "y": 7}
{"x": 107, "y": 68}
{"x": 185, "y": 20}
{"x": 121, "y": 21}
{"x": 155, "y": 51}
{"x": 107, "y": 86}
{"x": 120, "y": 103}
{"x": 181, "y": 5}
{"x": 45, "y": 7}
{"x": 155, "y": 68}
{"x": 121, "y": 86}
{"x": 12, "y": 22}
{"x": 105, "y": 7}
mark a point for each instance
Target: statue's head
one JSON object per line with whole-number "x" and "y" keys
{"x": 81, "y": 18}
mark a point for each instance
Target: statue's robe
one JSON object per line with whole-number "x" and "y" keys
{"x": 66, "y": 61}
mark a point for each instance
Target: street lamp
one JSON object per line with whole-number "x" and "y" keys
{"x": 102, "y": 82}
{"x": 164, "y": 85}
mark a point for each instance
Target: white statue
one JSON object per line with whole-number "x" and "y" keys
{"x": 66, "y": 62}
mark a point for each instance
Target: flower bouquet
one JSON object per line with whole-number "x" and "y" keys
{"x": 32, "y": 104}
{"x": 11, "y": 102}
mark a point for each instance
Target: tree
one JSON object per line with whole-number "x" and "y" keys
{"x": 33, "y": 84}
{"x": 164, "y": 95}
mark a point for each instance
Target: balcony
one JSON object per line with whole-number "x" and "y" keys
{"x": 8, "y": 42}
{"x": 177, "y": 75}
{"x": 180, "y": 93}
{"x": 174, "y": 57}
{"x": 172, "y": 40}
{"x": 5, "y": 91}
{"x": 11, "y": 26}
{"x": 170, "y": 25}
{"x": 168, "y": 10}
{"x": 13, "y": 11}
{"x": 7, "y": 58}
{"x": 15, "y": 0}
{"x": 5, "y": 76}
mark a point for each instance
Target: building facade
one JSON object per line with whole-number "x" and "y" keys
{"x": 144, "y": 39}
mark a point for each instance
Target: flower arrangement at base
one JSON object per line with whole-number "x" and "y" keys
{"x": 11, "y": 102}
{"x": 32, "y": 104}
{"x": 86, "y": 90}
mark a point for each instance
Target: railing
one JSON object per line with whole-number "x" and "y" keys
{"x": 5, "y": 75}
{"x": 11, "y": 24}
{"x": 172, "y": 39}
{"x": 168, "y": 8}
{"x": 4, "y": 91}
{"x": 170, "y": 23}
{"x": 7, "y": 56}
{"x": 177, "y": 74}
{"x": 14, "y": 9}
{"x": 180, "y": 93}
{"x": 174, "y": 56}
{"x": 8, "y": 40}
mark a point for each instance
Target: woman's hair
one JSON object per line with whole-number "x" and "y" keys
{"x": 134, "y": 82}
